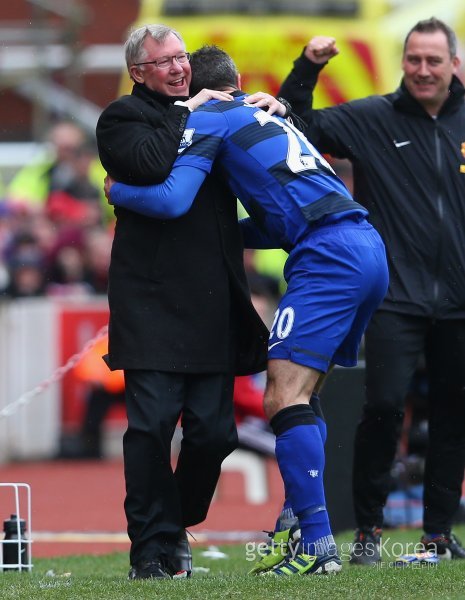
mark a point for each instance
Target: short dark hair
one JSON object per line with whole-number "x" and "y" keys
{"x": 431, "y": 26}
{"x": 212, "y": 68}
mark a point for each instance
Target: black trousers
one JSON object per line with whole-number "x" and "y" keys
{"x": 394, "y": 344}
{"x": 160, "y": 503}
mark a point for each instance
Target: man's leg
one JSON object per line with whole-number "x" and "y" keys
{"x": 445, "y": 459}
{"x": 154, "y": 401}
{"x": 209, "y": 436}
{"x": 300, "y": 456}
{"x": 393, "y": 345}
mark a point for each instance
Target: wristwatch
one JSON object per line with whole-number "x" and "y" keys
{"x": 287, "y": 105}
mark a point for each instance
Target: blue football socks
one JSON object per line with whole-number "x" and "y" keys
{"x": 300, "y": 456}
{"x": 315, "y": 403}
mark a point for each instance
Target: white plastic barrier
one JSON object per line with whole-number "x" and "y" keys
{"x": 253, "y": 469}
{"x": 32, "y": 334}
{"x": 28, "y": 351}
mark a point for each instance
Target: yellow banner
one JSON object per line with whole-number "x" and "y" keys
{"x": 263, "y": 49}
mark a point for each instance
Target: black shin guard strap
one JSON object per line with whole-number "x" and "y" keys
{"x": 297, "y": 414}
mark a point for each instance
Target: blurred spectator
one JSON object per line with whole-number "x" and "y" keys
{"x": 58, "y": 199}
{"x": 40, "y": 226}
{"x": 253, "y": 430}
{"x": 37, "y": 259}
{"x": 105, "y": 389}
{"x": 66, "y": 181}
{"x": 78, "y": 262}
{"x": 24, "y": 262}
{"x": 25, "y": 278}
{"x": 97, "y": 245}
{"x": 66, "y": 273}
{"x": 270, "y": 264}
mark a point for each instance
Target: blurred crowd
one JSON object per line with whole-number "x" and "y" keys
{"x": 55, "y": 223}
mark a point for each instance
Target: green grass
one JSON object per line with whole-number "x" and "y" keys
{"x": 104, "y": 578}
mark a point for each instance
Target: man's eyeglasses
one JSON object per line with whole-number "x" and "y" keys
{"x": 165, "y": 62}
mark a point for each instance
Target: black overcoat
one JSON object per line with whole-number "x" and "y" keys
{"x": 178, "y": 293}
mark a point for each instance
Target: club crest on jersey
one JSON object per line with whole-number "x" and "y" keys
{"x": 186, "y": 140}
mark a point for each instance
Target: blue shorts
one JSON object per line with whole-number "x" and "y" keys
{"x": 337, "y": 277}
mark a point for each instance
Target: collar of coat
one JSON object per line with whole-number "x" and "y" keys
{"x": 405, "y": 102}
{"x": 142, "y": 91}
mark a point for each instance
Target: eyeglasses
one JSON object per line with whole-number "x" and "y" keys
{"x": 165, "y": 62}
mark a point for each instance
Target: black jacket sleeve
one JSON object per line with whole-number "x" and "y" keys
{"x": 338, "y": 130}
{"x": 138, "y": 142}
{"x": 298, "y": 86}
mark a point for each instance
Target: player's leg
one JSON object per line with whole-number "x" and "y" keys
{"x": 300, "y": 456}
{"x": 339, "y": 268}
{"x": 358, "y": 278}
{"x": 287, "y": 525}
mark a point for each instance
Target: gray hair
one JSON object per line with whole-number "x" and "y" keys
{"x": 133, "y": 48}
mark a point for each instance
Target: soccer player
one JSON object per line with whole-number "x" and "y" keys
{"x": 407, "y": 150}
{"x": 336, "y": 272}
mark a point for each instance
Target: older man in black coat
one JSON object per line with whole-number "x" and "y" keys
{"x": 181, "y": 321}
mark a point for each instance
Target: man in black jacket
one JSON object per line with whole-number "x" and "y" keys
{"x": 181, "y": 320}
{"x": 407, "y": 152}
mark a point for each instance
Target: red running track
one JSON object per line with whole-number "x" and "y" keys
{"x": 72, "y": 498}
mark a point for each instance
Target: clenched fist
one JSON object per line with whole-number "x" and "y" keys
{"x": 320, "y": 49}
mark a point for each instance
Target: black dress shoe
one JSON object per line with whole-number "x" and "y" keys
{"x": 180, "y": 562}
{"x": 147, "y": 569}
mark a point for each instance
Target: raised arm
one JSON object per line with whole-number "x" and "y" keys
{"x": 298, "y": 86}
{"x": 338, "y": 130}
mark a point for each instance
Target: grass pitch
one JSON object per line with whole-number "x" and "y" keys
{"x": 104, "y": 578}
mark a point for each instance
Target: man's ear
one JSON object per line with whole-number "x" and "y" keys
{"x": 239, "y": 81}
{"x": 135, "y": 74}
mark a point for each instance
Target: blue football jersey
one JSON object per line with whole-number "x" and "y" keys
{"x": 284, "y": 183}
